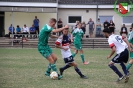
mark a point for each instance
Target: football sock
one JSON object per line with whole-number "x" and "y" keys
{"x": 128, "y": 66}
{"x": 73, "y": 55}
{"x": 124, "y": 68}
{"x": 82, "y": 57}
{"x": 114, "y": 68}
{"x": 49, "y": 68}
{"x": 78, "y": 71}
{"x": 53, "y": 67}
{"x": 65, "y": 67}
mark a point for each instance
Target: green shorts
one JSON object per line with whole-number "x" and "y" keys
{"x": 131, "y": 55}
{"x": 46, "y": 51}
{"x": 78, "y": 46}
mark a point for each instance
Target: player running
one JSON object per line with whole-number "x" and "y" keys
{"x": 130, "y": 40}
{"x": 63, "y": 42}
{"x": 120, "y": 45}
{"x": 44, "y": 48}
{"x": 78, "y": 34}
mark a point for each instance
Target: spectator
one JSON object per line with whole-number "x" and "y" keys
{"x": 124, "y": 31}
{"x": 111, "y": 26}
{"x": 98, "y": 28}
{"x": 91, "y": 27}
{"x": 60, "y": 25}
{"x": 106, "y": 24}
{"x": 32, "y": 31}
{"x": 11, "y": 30}
{"x": 36, "y": 24}
{"x": 18, "y": 31}
{"x": 83, "y": 27}
{"x": 25, "y": 30}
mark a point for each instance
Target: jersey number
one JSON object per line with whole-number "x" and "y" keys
{"x": 119, "y": 39}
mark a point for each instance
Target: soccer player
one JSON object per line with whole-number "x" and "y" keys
{"x": 44, "y": 48}
{"x": 130, "y": 39}
{"x": 63, "y": 42}
{"x": 78, "y": 34}
{"x": 118, "y": 45}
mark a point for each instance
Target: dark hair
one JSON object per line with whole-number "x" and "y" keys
{"x": 17, "y": 25}
{"x": 53, "y": 19}
{"x": 107, "y": 30}
{"x": 98, "y": 18}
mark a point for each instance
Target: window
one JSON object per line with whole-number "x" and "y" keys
{"x": 103, "y": 18}
{"x": 73, "y": 19}
{"x": 127, "y": 19}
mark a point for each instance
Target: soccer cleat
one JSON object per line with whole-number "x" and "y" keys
{"x": 85, "y": 63}
{"x": 47, "y": 73}
{"x": 61, "y": 71}
{"x": 84, "y": 77}
{"x": 128, "y": 73}
{"x": 119, "y": 79}
{"x": 59, "y": 77}
{"x": 126, "y": 78}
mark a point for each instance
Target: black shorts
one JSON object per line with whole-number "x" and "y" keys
{"x": 122, "y": 57}
{"x": 69, "y": 60}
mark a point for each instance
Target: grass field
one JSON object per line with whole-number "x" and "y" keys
{"x": 24, "y": 68}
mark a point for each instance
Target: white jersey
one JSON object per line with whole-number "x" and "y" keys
{"x": 64, "y": 42}
{"x": 117, "y": 41}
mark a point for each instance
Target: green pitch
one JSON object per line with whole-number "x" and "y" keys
{"x": 24, "y": 68}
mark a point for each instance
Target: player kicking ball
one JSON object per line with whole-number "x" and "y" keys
{"x": 118, "y": 45}
{"x": 78, "y": 34}
{"x": 63, "y": 42}
{"x": 44, "y": 48}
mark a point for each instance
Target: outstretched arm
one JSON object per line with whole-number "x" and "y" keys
{"x": 60, "y": 29}
{"x": 54, "y": 36}
{"x": 112, "y": 52}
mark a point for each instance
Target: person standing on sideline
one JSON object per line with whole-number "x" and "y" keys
{"x": 119, "y": 45}
{"x": 83, "y": 27}
{"x": 44, "y": 48}
{"x": 98, "y": 28}
{"x": 60, "y": 25}
{"x": 124, "y": 31}
{"x": 78, "y": 34}
{"x": 106, "y": 24}
{"x": 91, "y": 27}
{"x": 112, "y": 26}
{"x": 36, "y": 24}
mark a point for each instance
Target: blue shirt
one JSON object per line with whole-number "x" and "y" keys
{"x": 32, "y": 29}
{"x": 36, "y": 22}
{"x": 18, "y": 29}
{"x": 11, "y": 29}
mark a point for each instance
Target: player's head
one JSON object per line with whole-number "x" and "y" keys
{"x": 106, "y": 32}
{"x": 65, "y": 31}
{"x": 52, "y": 22}
{"x": 79, "y": 25}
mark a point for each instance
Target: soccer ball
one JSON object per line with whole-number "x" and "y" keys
{"x": 53, "y": 75}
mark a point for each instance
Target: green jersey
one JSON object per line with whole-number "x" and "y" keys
{"x": 130, "y": 37}
{"x": 78, "y": 34}
{"x": 44, "y": 35}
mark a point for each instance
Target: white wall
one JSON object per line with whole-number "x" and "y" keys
{"x": 21, "y": 18}
{"x": 64, "y": 13}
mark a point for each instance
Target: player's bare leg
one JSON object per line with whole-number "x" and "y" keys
{"x": 75, "y": 52}
{"x": 82, "y": 57}
{"x": 53, "y": 65}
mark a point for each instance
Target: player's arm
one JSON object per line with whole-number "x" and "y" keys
{"x": 126, "y": 41}
{"x": 60, "y": 29}
{"x": 112, "y": 52}
{"x": 54, "y": 36}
